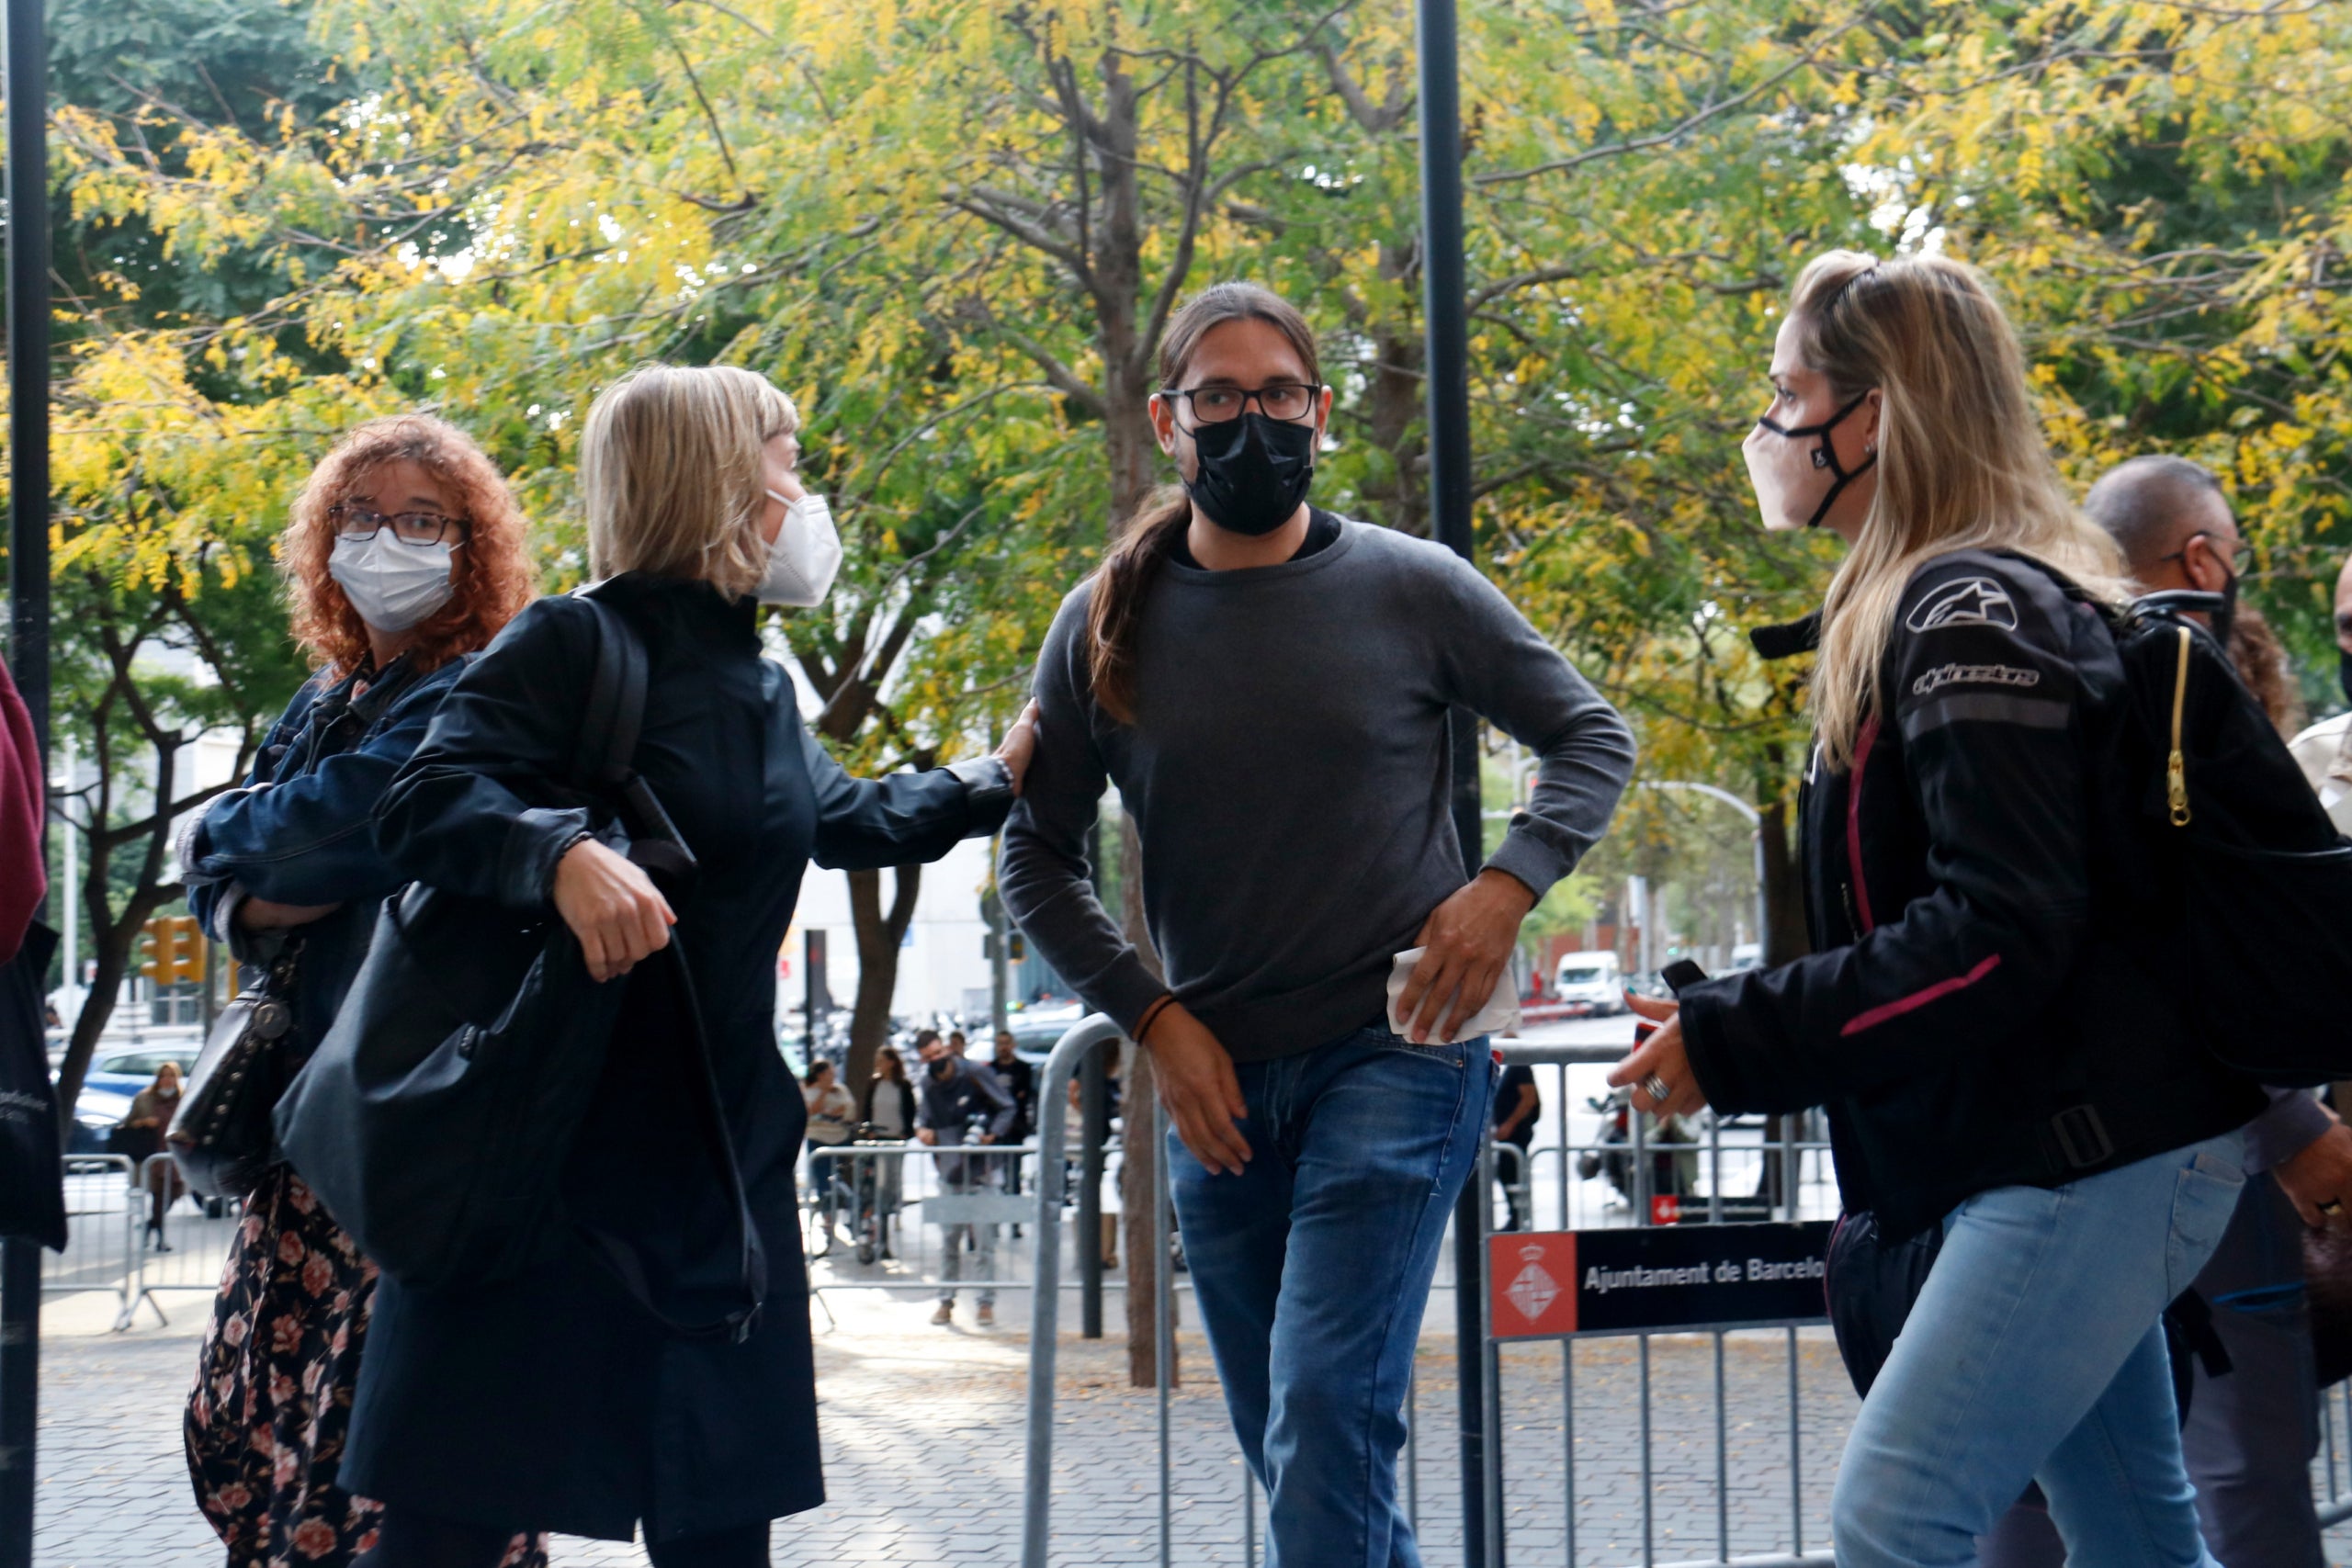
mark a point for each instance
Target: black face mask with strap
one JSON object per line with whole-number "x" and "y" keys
{"x": 1825, "y": 456}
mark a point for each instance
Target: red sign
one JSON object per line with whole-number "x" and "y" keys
{"x": 1666, "y": 1209}
{"x": 1532, "y": 1283}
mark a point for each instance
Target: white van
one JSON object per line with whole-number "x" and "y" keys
{"x": 1590, "y": 982}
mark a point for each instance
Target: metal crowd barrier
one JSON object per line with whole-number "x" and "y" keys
{"x": 1790, "y": 1154}
{"x": 2335, "y": 1456}
{"x": 109, "y": 1202}
{"x": 1785, "y": 1191}
{"x": 892, "y": 1215}
{"x": 192, "y": 1248}
{"x": 101, "y": 1232}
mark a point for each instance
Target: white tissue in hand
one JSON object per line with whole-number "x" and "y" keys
{"x": 1500, "y": 1016}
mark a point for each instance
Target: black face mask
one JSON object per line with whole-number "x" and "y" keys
{"x": 943, "y": 1067}
{"x": 1826, "y": 454}
{"x": 2344, "y": 671}
{"x": 1250, "y": 473}
{"x": 2227, "y": 616}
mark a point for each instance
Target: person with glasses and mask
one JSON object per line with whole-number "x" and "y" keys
{"x": 1269, "y": 685}
{"x": 405, "y": 554}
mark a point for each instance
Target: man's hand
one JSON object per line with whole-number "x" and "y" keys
{"x": 1662, "y": 1055}
{"x": 264, "y": 915}
{"x": 1466, "y": 942}
{"x": 925, "y": 1136}
{"x": 611, "y": 907}
{"x": 2321, "y": 1174}
{"x": 1198, "y": 1087}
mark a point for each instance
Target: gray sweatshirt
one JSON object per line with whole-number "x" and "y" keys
{"x": 1288, "y": 777}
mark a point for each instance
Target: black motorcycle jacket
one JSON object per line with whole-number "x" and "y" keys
{"x": 1992, "y": 998}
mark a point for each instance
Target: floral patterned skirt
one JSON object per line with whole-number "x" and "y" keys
{"x": 272, "y": 1400}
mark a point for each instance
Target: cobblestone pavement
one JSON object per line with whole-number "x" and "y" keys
{"x": 922, "y": 1443}
{"x": 922, "y": 1447}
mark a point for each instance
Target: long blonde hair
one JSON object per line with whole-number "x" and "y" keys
{"x": 672, "y": 473}
{"x": 1962, "y": 464}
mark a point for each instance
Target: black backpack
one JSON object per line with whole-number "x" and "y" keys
{"x": 435, "y": 1117}
{"x": 2265, "y": 879}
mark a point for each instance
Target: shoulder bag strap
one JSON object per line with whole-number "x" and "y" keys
{"x": 603, "y": 763}
{"x": 616, "y": 713}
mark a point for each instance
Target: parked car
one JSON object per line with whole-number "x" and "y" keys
{"x": 128, "y": 1072}
{"x": 1590, "y": 983}
{"x": 96, "y": 1114}
{"x": 1034, "y": 1030}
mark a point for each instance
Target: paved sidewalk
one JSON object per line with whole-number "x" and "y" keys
{"x": 922, "y": 1445}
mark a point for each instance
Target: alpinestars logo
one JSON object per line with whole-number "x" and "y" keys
{"x": 1971, "y": 601}
{"x": 1974, "y": 675}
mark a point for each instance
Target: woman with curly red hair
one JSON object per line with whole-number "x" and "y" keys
{"x": 405, "y": 557}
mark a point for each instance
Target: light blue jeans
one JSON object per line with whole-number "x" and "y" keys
{"x": 2034, "y": 1353}
{"x": 1311, "y": 1269}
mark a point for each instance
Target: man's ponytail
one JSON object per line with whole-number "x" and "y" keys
{"x": 1120, "y": 585}
{"x": 1123, "y": 580}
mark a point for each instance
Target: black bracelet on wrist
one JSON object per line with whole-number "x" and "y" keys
{"x": 1151, "y": 1015}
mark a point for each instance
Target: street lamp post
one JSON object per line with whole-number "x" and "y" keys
{"x": 26, "y": 68}
{"x": 1755, "y": 822}
{"x": 1444, "y": 270}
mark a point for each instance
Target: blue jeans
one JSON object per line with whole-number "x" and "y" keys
{"x": 1312, "y": 1269}
{"x": 2034, "y": 1354}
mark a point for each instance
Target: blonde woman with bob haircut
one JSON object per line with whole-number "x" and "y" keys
{"x": 558, "y": 1403}
{"x": 2013, "y": 1095}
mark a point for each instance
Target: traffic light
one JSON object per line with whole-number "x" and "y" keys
{"x": 170, "y": 950}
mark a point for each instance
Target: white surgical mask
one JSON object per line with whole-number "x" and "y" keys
{"x": 394, "y": 586}
{"x": 804, "y": 556}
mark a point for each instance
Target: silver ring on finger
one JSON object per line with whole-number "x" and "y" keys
{"x": 1657, "y": 1089}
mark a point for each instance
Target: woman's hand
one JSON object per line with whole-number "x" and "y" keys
{"x": 1468, "y": 942}
{"x": 611, "y": 907}
{"x": 1661, "y": 1055}
{"x": 262, "y": 915}
{"x": 1020, "y": 745}
{"x": 1198, "y": 1087}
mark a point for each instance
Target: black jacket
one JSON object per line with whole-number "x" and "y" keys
{"x": 556, "y": 1402}
{"x": 1990, "y": 1001}
{"x": 301, "y": 830}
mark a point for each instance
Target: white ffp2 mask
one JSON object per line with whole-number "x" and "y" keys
{"x": 394, "y": 586}
{"x": 804, "y": 557}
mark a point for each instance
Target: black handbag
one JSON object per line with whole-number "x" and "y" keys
{"x": 32, "y": 1188}
{"x": 435, "y": 1118}
{"x": 221, "y": 1136}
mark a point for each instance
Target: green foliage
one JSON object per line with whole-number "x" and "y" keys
{"x": 953, "y": 232}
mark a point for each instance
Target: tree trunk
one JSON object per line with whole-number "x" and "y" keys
{"x": 1783, "y": 938}
{"x": 1128, "y": 377}
{"x": 878, "y": 936}
{"x": 1393, "y": 406}
{"x": 1137, "y": 1093}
